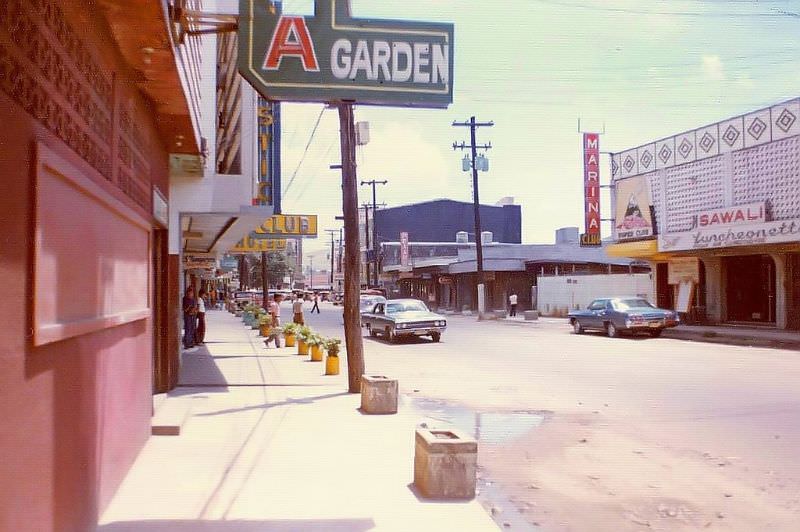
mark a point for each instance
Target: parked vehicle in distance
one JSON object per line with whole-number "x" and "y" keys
{"x": 403, "y": 317}
{"x": 618, "y": 315}
{"x": 367, "y": 302}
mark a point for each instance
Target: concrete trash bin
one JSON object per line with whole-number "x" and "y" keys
{"x": 445, "y": 463}
{"x": 378, "y": 394}
{"x": 500, "y": 314}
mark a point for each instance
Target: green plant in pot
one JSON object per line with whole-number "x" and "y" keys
{"x": 316, "y": 342}
{"x": 332, "y": 345}
{"x": 265, "y": 325}
{"x": 290, "y": 333}
{"x": 303, "y": 334}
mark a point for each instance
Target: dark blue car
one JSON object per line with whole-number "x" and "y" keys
{"x": 617, "y": 315}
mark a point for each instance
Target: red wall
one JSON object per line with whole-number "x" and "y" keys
{"x": 75, "y": 413}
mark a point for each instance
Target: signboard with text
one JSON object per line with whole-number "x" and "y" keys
{"x": 591, "y": 187}
{"x": 632, "y": 217}
{"x": 333, "y": 57}
{"x": 736, "y": 215}
{"x": 404, "y": 251}
{"x": 287, "y": 225}
{"x": 683, "y": 269}
{"x": 731, "y": 236}
{"x": 253, "y": 245}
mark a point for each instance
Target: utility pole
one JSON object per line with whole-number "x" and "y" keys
{"x": 373, "y": 183}
{"x": 473, "y": 146}
{"x": 332, "y": 232}
{"x": 365, "y": 206}
{"x": 352, "y": 284}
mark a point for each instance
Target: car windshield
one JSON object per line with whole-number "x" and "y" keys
{"x": 406, "y": 306}
{"x": 626, "y": 304}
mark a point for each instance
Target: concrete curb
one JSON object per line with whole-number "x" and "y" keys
{"x": 748, "y": 340}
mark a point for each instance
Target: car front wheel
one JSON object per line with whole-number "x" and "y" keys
{"x": 577, "y": 328}
{"x": 611, "y": 330}
{"x": 656, "y": 333}
{"x": 391, "y": 335}
{"x": 436, "y": 337}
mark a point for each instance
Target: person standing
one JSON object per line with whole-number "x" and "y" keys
{"x": 316, "y": 303}
{"x": 275, "y": 312}
{"x": 200, "y": 335}
{"x": 189, "y": 318}
{"x": 297, "y": 309}
{"x": 512, "y": 300}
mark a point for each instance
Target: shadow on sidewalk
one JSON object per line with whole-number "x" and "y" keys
{"x": 198, "y": 366}
{"x": 272, "y": 525}
{"x": 265, "y": 406}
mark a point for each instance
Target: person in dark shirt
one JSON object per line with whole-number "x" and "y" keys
{"x": 189, "y": 318}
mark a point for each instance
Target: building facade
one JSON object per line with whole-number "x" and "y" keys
{"x": 716, "y": 212}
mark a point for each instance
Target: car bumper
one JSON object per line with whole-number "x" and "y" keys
{"x": 426, "y": 331}
{"x": 650, "y": 326}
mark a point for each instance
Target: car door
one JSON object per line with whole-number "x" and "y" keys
{"x": 377, "y": 317}
{"x": 594, "y": 316}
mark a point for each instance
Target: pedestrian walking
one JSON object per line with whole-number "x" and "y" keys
{"x": 200, "y": 333}
{"x": 189, "y": 318}
{"x": 297, "y": 309}
{"x": 275, "y": 312}
{"x": 316, "y": 303}
{"x": 512, "y": 300}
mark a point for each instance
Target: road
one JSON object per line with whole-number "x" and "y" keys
{"x": 640, "y": 433}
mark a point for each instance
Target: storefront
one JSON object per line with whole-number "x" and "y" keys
{"x": 712, "y": 211}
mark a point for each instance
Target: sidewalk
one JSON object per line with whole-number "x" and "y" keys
{"x": 270, "y": 444}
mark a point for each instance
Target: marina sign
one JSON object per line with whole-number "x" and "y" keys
{"x": 333, "y": 57}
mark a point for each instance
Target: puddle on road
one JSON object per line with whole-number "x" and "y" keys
{"x": 490, "y": 427}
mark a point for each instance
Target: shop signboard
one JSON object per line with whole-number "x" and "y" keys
{"x": 737, "y": 215}
{"x": 255, "y": 245}
{"x": 404, "y": 251}
{"x": 633, "y": 219}
{"x": 591, "y": 187}
{"x": 191, "y": 262}
{"x": 683, "y": 269}
{"x": 281, "y": 226}
{"x": 332, "y": 57}
{"x": 731, "y": 236}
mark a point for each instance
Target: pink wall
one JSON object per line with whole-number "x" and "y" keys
{"x": 73, "y": 413}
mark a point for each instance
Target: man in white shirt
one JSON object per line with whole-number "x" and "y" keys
{"x": 200, "y": 334}
{"x": 512, "y": 300}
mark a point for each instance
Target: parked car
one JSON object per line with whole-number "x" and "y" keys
{"x": 403, "y": 317}
{"x": 617, "y": 315}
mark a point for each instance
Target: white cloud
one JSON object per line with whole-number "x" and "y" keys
{"x": 713, "y": 67}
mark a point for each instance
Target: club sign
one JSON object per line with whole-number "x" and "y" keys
{"x": 333, "y": 57}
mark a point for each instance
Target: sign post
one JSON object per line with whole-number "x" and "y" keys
{"x": 335, "y": 59}
{"x": 591, "y": 187}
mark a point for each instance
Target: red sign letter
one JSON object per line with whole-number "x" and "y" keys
{"x": 591, "y": 183}
{"x": 291, "y": 38}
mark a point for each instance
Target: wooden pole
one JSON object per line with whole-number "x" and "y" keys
{"x": 352, "y": 270}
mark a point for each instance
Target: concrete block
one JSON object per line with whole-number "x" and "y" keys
{"x": 531, "y": 315}
{"x": 445, "y": 463}
{"x": 378, "y": 394}
{"x": 500, "y": 314}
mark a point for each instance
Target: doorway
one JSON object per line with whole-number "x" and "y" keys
{"x": 750, "y": 288}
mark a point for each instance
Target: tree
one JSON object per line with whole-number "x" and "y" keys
{"x": 278, "y": 267}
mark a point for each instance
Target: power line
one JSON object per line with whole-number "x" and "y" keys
{"x": 308, "y": 144}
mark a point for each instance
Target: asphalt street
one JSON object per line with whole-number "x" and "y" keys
{"x": 641, "y": 433}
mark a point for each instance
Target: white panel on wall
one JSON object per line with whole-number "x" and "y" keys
{"x": 665, "y": 153}
{"x": 684, "y": 148}
{"x": 707, "y": 142}
{"x": 692, "y": 188}
{"x": 646, "y": 155}
{"x": 630, "y": 164}
{"x": 785, "y": 120}
{"x": 731, "y": 135}
{"x": 757, "y": 128}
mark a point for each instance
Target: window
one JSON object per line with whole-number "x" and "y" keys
{"x": 408, "y": 306}
{"x": 627, "y": 304}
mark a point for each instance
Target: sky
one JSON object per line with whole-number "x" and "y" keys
{"x": 637, "y": 70}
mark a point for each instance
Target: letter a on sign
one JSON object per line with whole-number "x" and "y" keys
{"x": 291, "y": 38}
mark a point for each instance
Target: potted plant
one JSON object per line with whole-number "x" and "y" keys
{"x": 255, "y": 323}
{"x": 247, "y": 314}
{"x": 290, "y": 333}
{"x": 316, "y": 342}
{"x": 332, "y": 345}
{"x": 264, "y": 325}
{"x": 303, "y": 333}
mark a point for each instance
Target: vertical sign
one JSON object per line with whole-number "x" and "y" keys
{"x": 591, "y": 186}
{"x": 404, "y": 255}
{"x": 268, "y": 154}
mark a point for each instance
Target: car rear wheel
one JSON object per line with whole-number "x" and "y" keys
{"x": 577, "y": 328}
{"x": 611, "y": 330}
{"x": 371, "y": 331}
{"x": 436, "y": 337}
{"x": 656, "y": 333}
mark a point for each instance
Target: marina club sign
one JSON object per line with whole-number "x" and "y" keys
{"x": 333, "y": 57}
{"x": 743, "y": 225}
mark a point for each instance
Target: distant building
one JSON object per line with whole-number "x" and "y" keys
{"x": 440, "y": 220}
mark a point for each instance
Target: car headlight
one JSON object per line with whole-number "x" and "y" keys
{"x": 401, "y": 325}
